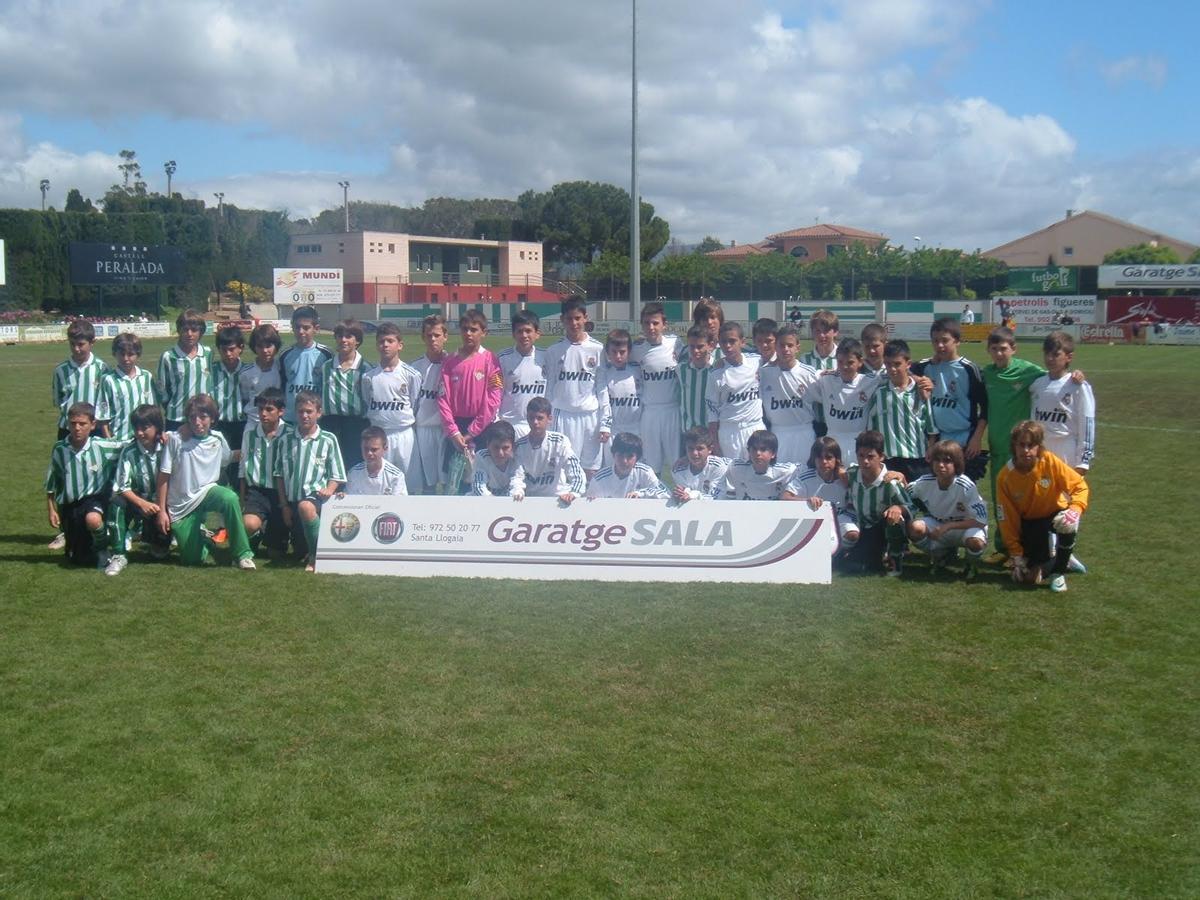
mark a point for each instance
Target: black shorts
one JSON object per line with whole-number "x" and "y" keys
{"x": 348, "y": 430}
{"x": 264, "y": 503}
{"x": 141, "y": 523}
{"x": 911, "y": 468}
{"x": 72, "y": 517}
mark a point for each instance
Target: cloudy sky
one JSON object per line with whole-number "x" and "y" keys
{"x": 965, "y": 122}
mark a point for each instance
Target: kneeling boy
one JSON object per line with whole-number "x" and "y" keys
{"x": 954, "y": 515}
{"x": 78, "y": 484}
{"x": 132, "y": 507}
{"x": 308, "y": 471}
{"x": 627, "y": 476}
{"x": 375, "y": 475}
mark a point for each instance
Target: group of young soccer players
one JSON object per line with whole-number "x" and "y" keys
{"x": 894, "y": 447}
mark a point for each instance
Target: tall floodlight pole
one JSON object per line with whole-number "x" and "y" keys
{"x": 345, "y": 186}
{"x": 635, "y": 217}
{"x": 44, "y": 186}
{"x": 169, "y": 168}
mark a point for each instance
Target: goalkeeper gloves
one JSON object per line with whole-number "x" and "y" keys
{"x": 1067, "y": 521}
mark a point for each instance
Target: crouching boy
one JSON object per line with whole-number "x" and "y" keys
{"x": 78, "y": 484}
{"x": 133, "y": 508}
{"x": 953, "y": 513}
{"x": 308, "y": 471}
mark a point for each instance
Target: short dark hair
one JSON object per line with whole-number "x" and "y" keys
{"x": 618, "y": 337}
{"x": 498, "y": 432}
{"x": 873, "y": 331}
{"x": 698, "y": 331}
{"x": 896, "y": 347}
{"x": 573, "y": 303}
{"x": 653, "y": 308}
{"x": 432, "y": 321}
{"x": 869, "y": 440}
{"x": 374, "y": 433}
{"x": 305, "y": 312}
{"x": 526, "y": 317}
{"x": 1058, "y": 340}
{"x": 946, "y": 325}
{"x": 764, "y": 326}
{"x": 264, "y": 335}
{"x": 730, "y": 328}
{"x": 349, "y": 328}
{"x": 388, "y": 328}
{"x": 824, "y": 446}
{"x": 230, "y": 336}
{"x": 1001, "y": 334}
{"x": 127, "y": 342}
{"x": 697, "y": 435}
{"x": 763, "y": 440}
{"x": 147, "y": 414}
{"x": 473, "y": 316}
{"x": 850, "y": 347}
{"x": 787, "y": 330}
{"x": 80, "y": 330}
{"x": 200, "y": 403}
{"x": 627, "y": 443}
{"x": 81, "y": 409}
{"x": 271, "y": 396}
{"x": 538, "y": 405}
{"x": 189, "y": 318}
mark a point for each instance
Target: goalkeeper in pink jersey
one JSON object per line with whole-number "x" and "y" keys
{"x": 471, "y": 387}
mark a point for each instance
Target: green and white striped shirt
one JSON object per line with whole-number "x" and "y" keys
{"x": 693, "y": 386}
{"x": 903, "y": 417}
{"x": 257, "y": 466}
{"x": 76, "y": 384}
{"x": 225, "y": 391}
{"x": 307, "y": 464}
{"x": 819, "y": 362}
{"x": 182, "y": 377}
{"x": 137, "y": 470}
{"x": 341, "y": 390}
{"x": 870, "y": 501}
{"x": 74, "y": 475}
{"x": 120, "y": 395}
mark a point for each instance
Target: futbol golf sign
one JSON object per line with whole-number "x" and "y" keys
{"x": 609, "y": 540}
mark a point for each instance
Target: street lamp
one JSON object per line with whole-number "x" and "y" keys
{"x": 635, "y": 212}
{"x": 45, "y": 186}
{"x": 220, "y": 195}
{"x": 345, "y": 186}
{"x": 169, "y": 168}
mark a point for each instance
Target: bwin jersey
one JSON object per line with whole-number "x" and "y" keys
{"x": 746, "y": 484}
{"x": 733, "y": 393}
{"x": 1067, "y": 412}
{"x": 620, "y": 403}
{"x": 549, "y": 469}
{"x": 707, "y": 484}
{"x": 807, "y": 483}
{"x": 252, "y": 382}
{"x": 641, "y": 481}
{"x": 842, "y": 406}
{"x": 491, "y": 480}
{"x": 428, "y": 412}
{"x": 656, "y": 365}
{"x": 784, "y": 392}
{"x": 960, "y": 500}
{"x": 571, "y": 371}
{"x": 389, "y": 482}
{"x": 298, "y": 372}
{"x": 524, "y": 378}
{"x": 959, "y": 397}
{"x": 391, "y": 396}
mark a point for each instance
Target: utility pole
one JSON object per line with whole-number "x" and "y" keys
{"x": 169, "y": 168}
{"x": 45, "y": 186}
{"x": 345, "y": 186}
{"x": 635, "y": 213}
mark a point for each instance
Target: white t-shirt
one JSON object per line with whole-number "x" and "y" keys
{"x": 656, "y": 365}
{"x": 524, "y": 378}
{"x": 784, "y": 392}
{"x": 389, "y": 482}
{"x": 960, "y": 500}
{"x": 733, "y": 393}
{"x": 746, "y": 484}
{"x": 707, "y": 484}
{"x": 391, "y": 395}
{"x": 571, "y": 371}
{"x": 1067, "y": 412}
{"x": 194, "y": 466}
{"x": 431, "y": 388}
{"x": 641, "y": 481}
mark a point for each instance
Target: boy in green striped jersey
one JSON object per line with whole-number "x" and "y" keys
{"x": 77, "y": 379}
{"x": 880, "y": 505}
{"x": 339, "y": 381}
{"x": 135, "y": 486}
{"x": 261, "y": 511}
{"x": 308, "y": 471}
{"x": 226, "y": 375}
{"x": 903, "y": 414}
{"x": 124, "y": 389}
{"x": 825, "y": 328}
{"x": 693, "y": 377}
{"x": 78, "y": 484}
{"x": 184, "y": 370}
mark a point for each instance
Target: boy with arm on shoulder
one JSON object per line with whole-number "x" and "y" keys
{"x": 308, "y": 471}
{"x": 226, "y": 391}
{"x": 734, "y": 402}
{"x": 656, "y": 357}
{"x": 471, "y": 387}
{"x": 390, "y": 391}
{"x": 522, "y": 371}
{"x": 124, "y": 389}
{"x": 700, "y": 476}
{"x": 839, "y": 402}
{"x": 261, "y": 512}
{"x": 627, "y": 477}
{"x": 496, "y": 463}
{"x": 77, "y": 379}
{"x": 959, "y": 396}
{"x": 375, "y": 475}
{"x": 135, "y": 489}
{"x": 184, "y": 370}
{"x": 762, "y": 335}
{"x": 341, "y": 391}
{"x": 1063, "y": 406}
{"x": 953, "y": 513}
{"x": 298, "y": 364}
{"x": 902, "y": 415}
{"x": 880, "y": 508}
{"x": 572, "y": 367}
{"x": 546, "y": 463}
{"x": 759, "y": 477}
{"x": 620, "y": 392}
{"x": 429, "y": 434}
{"x": 785, "y": 386}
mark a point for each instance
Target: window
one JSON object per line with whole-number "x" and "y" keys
{"x": 424, "y": 262}
{"x": 1068, "y": 251}
{"x": 834, "y": 249}
{"x": 391, "y": 248}
{"x": 472, "y": 263}
{"x": 308, "y": 248}
{"x": 522, "y": 254}
{"x": 800, "y": 252}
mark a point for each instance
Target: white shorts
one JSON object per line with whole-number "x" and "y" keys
{"x": 734, "y": 436}
{"x": 583, "y": 431}
{"x": 661, "y": 431}
{"x": 399, "y": 452}
{"x": 520, "y": 429}
{"x": 951, "y": 539}
{"x": 427, "y": 458}
{"x": 846, "y": 442}
{"x": 795, "y": 443}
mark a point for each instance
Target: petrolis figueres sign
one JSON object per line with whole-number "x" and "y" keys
{"x": 126, "y": 264}
{"x": 609, "y": 540}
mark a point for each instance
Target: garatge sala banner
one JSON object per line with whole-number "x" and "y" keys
{"x": 1042, "y": 280}
{"x": 126, "y": 264}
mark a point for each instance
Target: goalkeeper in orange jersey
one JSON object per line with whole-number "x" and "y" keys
{"x": 1038, "y": 494}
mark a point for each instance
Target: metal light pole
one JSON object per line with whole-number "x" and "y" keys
{"x": 635, "y": 213}
{"x": 45, "y": 186}
{"x": 169, "y": 168}
{"x": 345, "y": 186}
{"x": 916, "y": 247}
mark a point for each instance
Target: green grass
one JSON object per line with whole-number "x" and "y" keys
{"x": 182, "y": 733}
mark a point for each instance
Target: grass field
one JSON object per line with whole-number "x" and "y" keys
{"x": 175, "y": 733}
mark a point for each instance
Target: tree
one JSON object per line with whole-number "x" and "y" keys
{"x": 577, "y": 220}
{"x": 709, "y": 244}
{"x": 1142, "y": 253}
{"x": 131, "y": 168}
{"x": 76, "y": 203}
{"x": 1195, "y": 257}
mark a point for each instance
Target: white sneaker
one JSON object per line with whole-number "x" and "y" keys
{"x": 246, "y": 563}
{"x": 1074, "y": 564}
{"x": 103, "y": 558}
{"x": 59, "y": 542}
{"x": 116, "y": 565}
{"x": 1058, "y": 584}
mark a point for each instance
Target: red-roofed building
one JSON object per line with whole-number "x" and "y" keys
{"x": 814, "y": 242}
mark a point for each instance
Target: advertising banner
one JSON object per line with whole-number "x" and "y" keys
{"x": 1042, "y": 280}
{"x": 1105, "y": 334}
{"x": 1170, "y": 310}
{"x": 126, "y": 264}
{"x": 1041, "y": 310}
{"x": 1034, "y": 330}
{"x": 1173, "y": 334}
{"x": 43, "y": 334}
{"x": 10, "y": 334}
{"x": 609, "y": 540}
{"x": 307, "y": 286}
{"x": 148, "y": 329}
{"x": 1173, "y": 275}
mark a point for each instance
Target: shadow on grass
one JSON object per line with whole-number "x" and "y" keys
{"x": 33, "y": 540}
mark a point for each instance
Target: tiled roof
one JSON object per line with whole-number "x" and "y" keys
{"x": 821, "y": 230}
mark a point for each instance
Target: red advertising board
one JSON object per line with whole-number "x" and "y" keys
{"x": 1165, "y": 310}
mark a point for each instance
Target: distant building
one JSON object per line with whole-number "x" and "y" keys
{"x": 1082, "y": 239}
{"x": 384, "y": 267}
{"x": 805, "y": 244}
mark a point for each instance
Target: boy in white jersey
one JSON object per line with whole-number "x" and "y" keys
{"x": 390, "y": 393}
{"x": 340, "y": 381}
{"x": 823, "y": 481}
{"x": 546, "y": 463}
{"x": 953, "y": 514}
{"x": 185, "y": 370}
{"x": 261, "y": 513}
{"x": 733, "y": 398}
{"x": 759, "y": 477}
{"x": 430, "y": 438}
{"x": 700, "y": 476}
{"x": 263, "y": 373}
{"x": 627, "y": 477}
{"x": 656, "y": 357}
{"x": 1064, "y": 407}
{"x": 839, "y": 402}
{"x": 523, "y": 370}
{"x": 375, "y": 476}
{"x": 124, "y": 389}
{"x": 308, "y": 471}
{"x": 135, "y": 486}
{"x": 571, "y": 387}
{"x": 620, "y": 392}
{"x": 824, "y": 328}
{"x": 785, "y": 385}
{"x": 298, "y": 364}
{"x": 762, "y": 335}
{"x": 496, "y": 463}
{"x": 188, "y": 490}
{"x": 78, "y": 484}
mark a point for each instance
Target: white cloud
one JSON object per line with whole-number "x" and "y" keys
{"x": 1150, "y": 70}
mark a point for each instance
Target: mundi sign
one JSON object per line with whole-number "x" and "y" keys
{"x": 609, "y": 540}
{"x": 126, "y": 264}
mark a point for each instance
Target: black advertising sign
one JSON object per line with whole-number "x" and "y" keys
{"x": 126, "y": 264}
